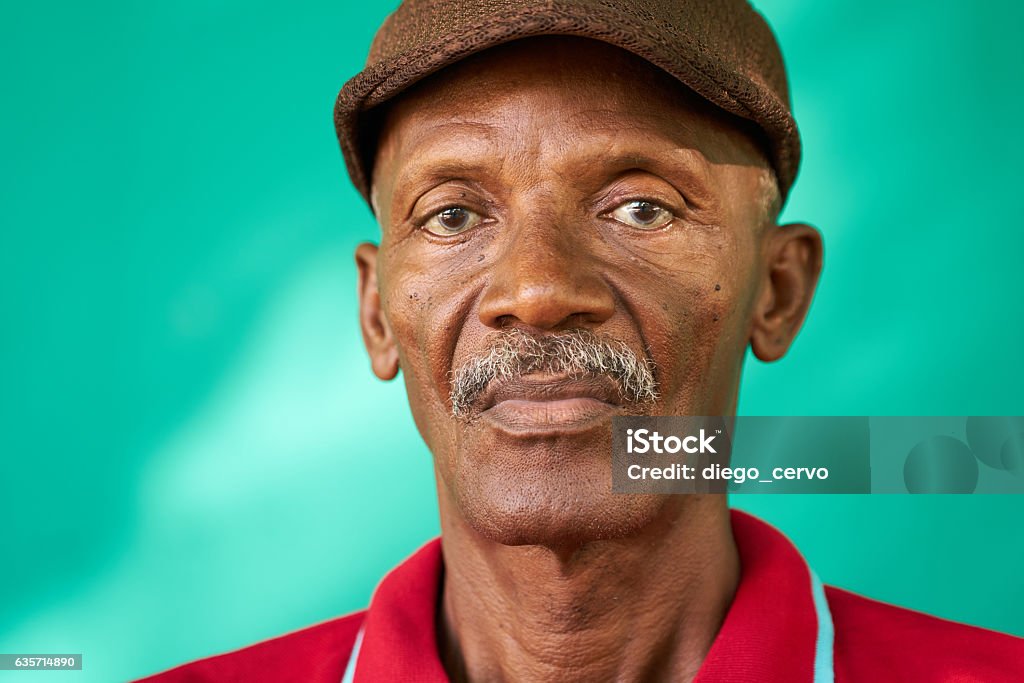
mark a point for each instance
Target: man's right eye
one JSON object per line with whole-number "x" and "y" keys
{"x": 452, "y": 221}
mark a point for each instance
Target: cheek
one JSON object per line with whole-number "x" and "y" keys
{"x": 693, "y": 306}
{"x": 425, "y": 307}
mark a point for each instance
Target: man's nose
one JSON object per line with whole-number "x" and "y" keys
{"x": 546, "y": 279}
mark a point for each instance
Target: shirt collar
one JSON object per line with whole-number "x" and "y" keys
{"x": 770, "y": 632}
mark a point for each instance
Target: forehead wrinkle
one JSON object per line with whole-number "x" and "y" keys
{"x": 610, "y": 120}
{"x": 419, "y": 139}
{"x": 683, "y": 129}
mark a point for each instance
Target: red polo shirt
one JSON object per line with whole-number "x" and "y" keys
{"x": 780, "y": 628}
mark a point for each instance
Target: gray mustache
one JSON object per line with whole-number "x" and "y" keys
{"x": 577, "y": 353}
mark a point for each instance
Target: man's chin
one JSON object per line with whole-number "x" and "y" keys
{"x": 561, "y": 529}
{"x": 560, "y": 510}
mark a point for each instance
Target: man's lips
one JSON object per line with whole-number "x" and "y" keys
{"x": 549, "y": 403}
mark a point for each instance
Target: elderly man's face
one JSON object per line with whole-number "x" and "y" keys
{"x": 568, "y": 235}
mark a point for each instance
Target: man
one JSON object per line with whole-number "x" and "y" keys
{"x": 578, "y": 206}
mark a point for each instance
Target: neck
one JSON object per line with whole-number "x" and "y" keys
{"x": 644, "y": 608}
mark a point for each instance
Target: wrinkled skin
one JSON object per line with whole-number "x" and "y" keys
{"x": 539, "y": 145}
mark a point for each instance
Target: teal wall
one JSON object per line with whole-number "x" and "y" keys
{"x": 193, "y": 452}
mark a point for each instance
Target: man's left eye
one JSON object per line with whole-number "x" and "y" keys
{"x": 642, "y": 214}
{"x": 452, "y": 221}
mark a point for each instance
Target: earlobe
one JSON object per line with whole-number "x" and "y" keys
{"x": 793, "y": 263}
{"x": 377, "y": 334}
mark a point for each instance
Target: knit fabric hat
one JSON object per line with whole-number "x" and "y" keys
{"x": 721, "y": 49}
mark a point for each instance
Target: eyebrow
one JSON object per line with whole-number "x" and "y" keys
{"x": 416, "y": 180}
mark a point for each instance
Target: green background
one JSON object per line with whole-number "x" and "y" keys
{"x": 194, "y": 452}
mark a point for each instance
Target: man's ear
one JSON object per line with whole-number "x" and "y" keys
{"x": 377, "y": 335}
{"x": 793, "y": 257}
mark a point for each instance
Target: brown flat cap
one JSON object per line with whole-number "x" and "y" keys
{"x": 721, "y": 49}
